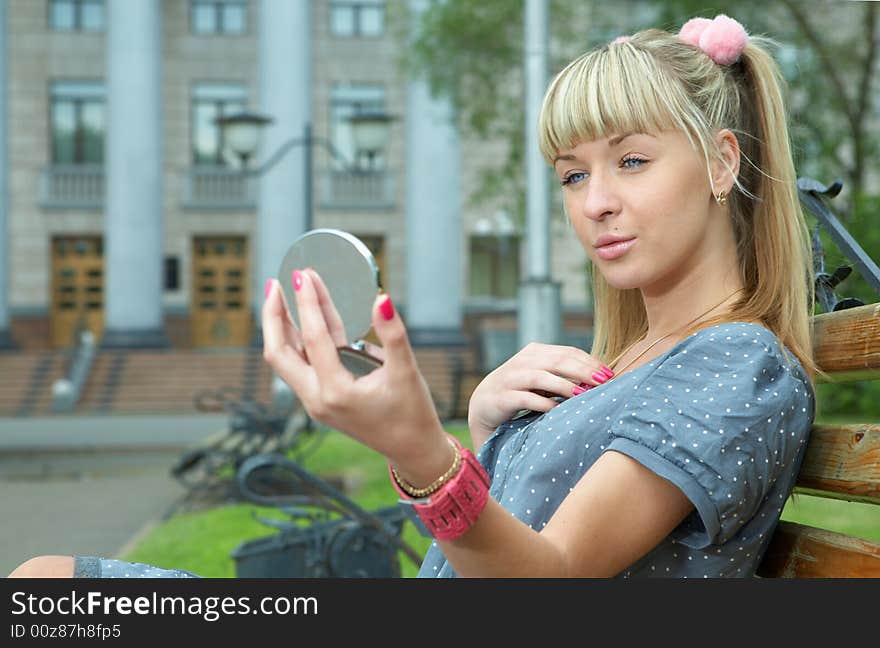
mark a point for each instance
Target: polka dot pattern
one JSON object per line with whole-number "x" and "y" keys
{"x": 95, "y": 567}
{"x": 723, "y": 415}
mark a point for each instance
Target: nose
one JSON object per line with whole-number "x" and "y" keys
{"x": 600, "y": 198}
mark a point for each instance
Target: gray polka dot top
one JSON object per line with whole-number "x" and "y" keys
{"x": 723, "y": 415}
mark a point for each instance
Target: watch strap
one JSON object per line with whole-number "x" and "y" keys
{"x": 450, "y": 511}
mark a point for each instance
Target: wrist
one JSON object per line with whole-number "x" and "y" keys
{"x": 448, "y": 507}
{"x": 432, "y": 461}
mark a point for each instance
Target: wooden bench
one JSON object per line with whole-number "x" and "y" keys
{"x": 842, "y": 461}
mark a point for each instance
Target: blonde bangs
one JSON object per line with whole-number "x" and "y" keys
{"x": 614, "y": 90}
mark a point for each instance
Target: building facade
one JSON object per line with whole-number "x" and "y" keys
{"x": 126, "y": 214}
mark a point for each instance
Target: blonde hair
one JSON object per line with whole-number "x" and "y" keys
{"x": 653, "y": 82}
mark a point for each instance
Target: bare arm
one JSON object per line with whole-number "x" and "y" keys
{"x": 617, "y": 513}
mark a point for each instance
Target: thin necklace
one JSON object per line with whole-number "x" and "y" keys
{"x": 619, "y": 371}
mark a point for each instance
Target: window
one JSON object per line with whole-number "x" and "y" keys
{"x": 209, "y": 101}
{"x": 172, "y": 273}
{"x": 357, "y": 17}
{"x": 76, "y": 15}
{"x": 77, "y": 122}
{"x": 345, "y": 102}
{"x": 218, "y": 16}
{"x": 494, "y": 270}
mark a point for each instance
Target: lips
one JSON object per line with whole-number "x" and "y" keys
{"x": 610, "y": 239}
{"x": 615, "y": 249}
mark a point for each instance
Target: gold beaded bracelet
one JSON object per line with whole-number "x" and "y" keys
{"x": 435, "y": 485}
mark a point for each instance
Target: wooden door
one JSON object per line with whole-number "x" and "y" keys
{"x": 77, "y": 285}
{"x": 219, "y": 296}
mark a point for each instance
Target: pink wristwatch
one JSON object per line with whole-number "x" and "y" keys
{"x": 451, "y": 510}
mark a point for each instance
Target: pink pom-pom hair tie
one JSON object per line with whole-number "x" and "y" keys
{"x": 620, "y": 39}
{"x": 722, "y": 39}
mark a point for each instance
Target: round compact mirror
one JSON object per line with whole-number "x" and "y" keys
{"x": 351, "y": 275}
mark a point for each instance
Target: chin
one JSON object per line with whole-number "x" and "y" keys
{"x": 621, "y": 281}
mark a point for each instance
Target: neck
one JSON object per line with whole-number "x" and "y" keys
{"x": 685, "y": 302}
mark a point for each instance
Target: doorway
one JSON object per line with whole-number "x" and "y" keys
{"x": 77, "y": 289}
{"x": 219, "y": 295}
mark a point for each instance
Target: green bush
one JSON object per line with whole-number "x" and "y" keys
{"x": 857, "y": 401}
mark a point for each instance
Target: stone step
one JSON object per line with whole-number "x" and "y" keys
{"x": 167, "y": 381}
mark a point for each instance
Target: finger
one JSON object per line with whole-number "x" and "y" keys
{"x": 375, "y": 350}
{"x": 535, "y": 402}
{"x": 328, "y": 308}
{"x": 392, "y": 334}
{"x": 581, "y": 369}
{"x": 277, "y": 343}
{"x": 317, "y": 342}
{"x": 291, "y": 330}
{"x": 549, "y": 384}
{"x": 545, "y": 383}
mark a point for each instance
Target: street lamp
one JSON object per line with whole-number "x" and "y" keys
{"x": 370, "y": 131}
{"x": 241, "y": 133}
{"x": 370, "y": 134}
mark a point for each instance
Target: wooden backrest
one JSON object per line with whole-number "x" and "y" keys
{"x": 841, "y": 462}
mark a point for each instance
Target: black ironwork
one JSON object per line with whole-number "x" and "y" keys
{"x": 208, "y": 469}
{"x": 327, "y": 534}
{"x": 812, "y": 193}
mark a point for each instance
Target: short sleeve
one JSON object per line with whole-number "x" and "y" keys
{"x": 722, "y": 417}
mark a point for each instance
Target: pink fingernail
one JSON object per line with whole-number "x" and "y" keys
{"x": 296, "y": 275}
{"x": 577, "y": 391}
{"x": 387, "y": 308}
{"x": 268, "y": 289}
{"x": 607, "y": 371}
{"x": 600, "y": 378}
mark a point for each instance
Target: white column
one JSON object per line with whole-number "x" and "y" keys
{"x": 5, "y": 337}
{"x": 285, "y": 95}
{"x": 433, "y": 215}
{"x": 133, "y": 219}
{"x": 539, "y": 296}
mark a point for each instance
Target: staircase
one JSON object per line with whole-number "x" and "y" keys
{"x": 26, "y": 381}
{"x": 166, "y": 381}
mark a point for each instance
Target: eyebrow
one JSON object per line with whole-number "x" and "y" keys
{"x": 614, "y": 141}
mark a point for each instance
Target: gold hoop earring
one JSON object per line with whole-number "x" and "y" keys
{"x": 721, "y": 199}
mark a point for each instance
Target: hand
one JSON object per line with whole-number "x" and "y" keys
{"x": 390, "y": 409}
{"x": 529, "y": 380}
{"x": 335, "y": 326}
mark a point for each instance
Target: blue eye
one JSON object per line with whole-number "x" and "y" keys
{"x": 573, "y": 178}
{"x": 625, "y": 162}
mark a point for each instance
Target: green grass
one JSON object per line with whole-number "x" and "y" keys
{"x": 851, "y": 518}
{"x": 202, "y": 542}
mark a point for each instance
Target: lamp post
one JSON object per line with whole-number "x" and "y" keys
{"x": 242, "y": 134}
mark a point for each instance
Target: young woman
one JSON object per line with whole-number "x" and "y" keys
{"x": 678, "y": 437}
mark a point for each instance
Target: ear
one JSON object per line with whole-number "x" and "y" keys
{"x": 725, "y": 167}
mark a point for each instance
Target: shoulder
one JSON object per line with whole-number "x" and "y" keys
{"x": 738, "y": 360}
{"x": 742, "y": 343}
{"x": 723, "y": 416}
{"x": 731, "y": 335}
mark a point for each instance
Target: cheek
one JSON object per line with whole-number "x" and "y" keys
{"x": 580, "y": 228}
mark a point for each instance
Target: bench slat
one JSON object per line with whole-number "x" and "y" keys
{"x": 847, "y": 343}
{"x": 798, "y": 551}
{"x": 843, "y": 462}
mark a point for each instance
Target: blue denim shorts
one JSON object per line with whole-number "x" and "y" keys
{"x": 95, "y": 567}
